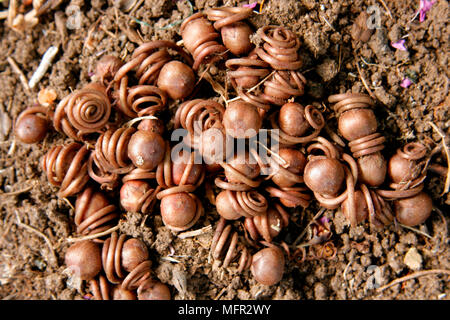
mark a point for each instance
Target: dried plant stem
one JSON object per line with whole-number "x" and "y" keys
{"x": 364, "y": 82}
{"x": 447, "y": 154}
{"x": 94, "y": 236}
{"x": 444, "y": 238}
{"x": 413, "y": 276}
{"x": 47, "y": 240}
{"x": 14, "y": 193}
{"x": 387, "y": 8}
{"x": 16, "y": 69}
{"x": 300, "y": 237}
{"x": 194, "y": 233}
{"x": 416, "y": 230}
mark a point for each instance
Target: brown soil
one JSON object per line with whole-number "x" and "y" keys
{"x": 365, "y": 260}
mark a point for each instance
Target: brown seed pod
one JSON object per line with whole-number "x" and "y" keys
{"x": 406, "y": 169}
{"x": 66, "y": 167}
{"x": 241, "y": 120}
{"x": 268, "y": 265}
{"x": 282, "y": 86}
{"x": 280, "y": 48}
{"x": 106, "y": 69}
{"x": 133, "y": 253}
{"x": 32, "y": 124}
{"x": 286, "y": 168}
{"x": 178, "y": 169}
{"x": 225, "y": 247}
{"x": 179, "y": 210}
{"x": 414, "y": 210}
{"x": 147, "y": 61}
{"x": 110, "y": 157}
{"x": 232, "y": 205}
{"x": 83, "y": 258}
{"x": 294, "y": 121}
{"x": 120, "y": 255}
{"x": 154, "y": 125}
{"x": 241, "y": 173}
{"x": 245, "y": 74}
{"x": 234, "y": 31}
{"x": 83, "y": 112}
{"x": 197, "y": 116}
{"x": 146, "y": 149}
{"x": 268, "y": 224}
{"x": 176, "y": 79}
{"x": 138, "y": 196}
{"x": 325, "y": 174}
{"x": 199, "y": 38}
{"x": 153, "y": 290}
{"x": 119, "y": 293}
{"x": 94, "y": 213}
{"x": 358, "y": 124}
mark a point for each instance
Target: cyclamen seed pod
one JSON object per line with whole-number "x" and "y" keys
{"x": 268, "y": 266}
{"x": 241, "y": 120}
{"x": 176, "y": 79}
{"x": 414, "y": 210}
{"x": 83, "y": 258}
{"x": 146, "y": 149}
{"x": 32, "y": 125}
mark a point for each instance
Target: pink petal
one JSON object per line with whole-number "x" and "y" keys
{"x": 250, "y": 5}
{"x": 400, "y": 45}
{"x": 424, "y": 7}
{"x": 405, "y": 83}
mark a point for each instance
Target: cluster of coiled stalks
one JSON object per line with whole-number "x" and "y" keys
{"x": 118, "y": 130}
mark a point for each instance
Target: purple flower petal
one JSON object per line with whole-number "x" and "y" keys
{"x": 250, "y": 5}
{"x": 400, "y": 45}
{"x": 405, "y": 83}
{"x": 424, "y": 7}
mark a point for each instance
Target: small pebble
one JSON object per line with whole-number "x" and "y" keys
{"x": 413, "y": 259}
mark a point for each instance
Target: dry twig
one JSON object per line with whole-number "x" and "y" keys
{"x": 447, "y": 154}
{"x": 19, "y": 72}
{"x": 47, "y": 240}
{"x": 94, "y": 236}
{"x": 413, "y": 276}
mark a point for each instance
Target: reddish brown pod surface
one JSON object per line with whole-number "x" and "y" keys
{"x": 268, "y": 266}
{"x": 84, "y": 259}
{"x": 146, "y": 149}
{"x": 199, "y": 37}
{"x": 325, "y": 176}
{"x": 180, "y": 211}
{"x": 153, "y": 290}
{"x": 137, "y": 196}
{"x": 414, "y": 210}
{"x": 234, "y": 30}
{"x": 241, "y": 120}
{"x": 176, "y": 79}
{"x": 32, "y": 125}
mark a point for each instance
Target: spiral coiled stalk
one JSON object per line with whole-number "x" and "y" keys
{"x": 284, "y": 85}
{"x": 315, "y": 120}
{"x": 267, "y": 225}
{"x": 199, "y": 37}
{"x": 83, "y": 112}
{"x": 110, "y": 157}
{"x": 66, "y": 167}
{"x": 225, "y": 247}
{"x": 280, "y": 48}
{"x": 94, "y": 213}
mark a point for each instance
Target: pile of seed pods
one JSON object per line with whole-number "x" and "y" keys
{"x": 119, "y": 141}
